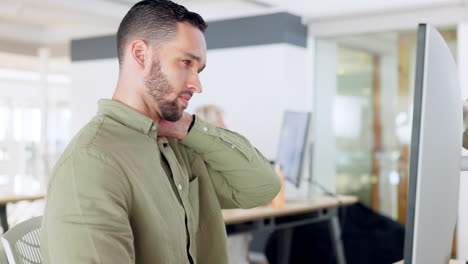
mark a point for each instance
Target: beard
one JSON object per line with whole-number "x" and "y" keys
{"x": 159, "y": 88}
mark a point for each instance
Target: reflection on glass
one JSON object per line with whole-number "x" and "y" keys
{"x": 27, "y": 124}
{"x": 29, "y": 144}
{"x": 23, "y": 162}
{"x": 4, "y": 122}
{"x": 4, "y": 155}
{"x": 372, "y": 116}
{"x": 353, "y": 120}
{"x": 4, "y": 179}
{"x": 26, "y": 184}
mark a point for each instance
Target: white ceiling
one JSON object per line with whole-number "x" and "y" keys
{"x": 314, "y": 9}
{"x": 52, "y": 21}
{"x": 28, "y": 24}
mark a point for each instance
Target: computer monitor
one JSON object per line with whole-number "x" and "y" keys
{"x": 435, "y": 153}
{"x": 292, "y": 144}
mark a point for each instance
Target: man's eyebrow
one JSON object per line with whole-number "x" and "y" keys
{"x": 195, "y": 57}
{"x": 192, "y": 56}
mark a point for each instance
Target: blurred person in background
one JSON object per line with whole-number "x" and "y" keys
{"x": 212, "y": 114}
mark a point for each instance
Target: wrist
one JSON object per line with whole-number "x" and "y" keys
{"x": 188, "y": 121}
{"x": 191, "y": 124}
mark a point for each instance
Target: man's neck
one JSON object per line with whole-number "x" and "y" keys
{"x": 131, "y": 98}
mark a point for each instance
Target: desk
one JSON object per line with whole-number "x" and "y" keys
{"x": 451, "y": 262}
{"x": 11, "y": 198}
{"x": 320, "y": 208}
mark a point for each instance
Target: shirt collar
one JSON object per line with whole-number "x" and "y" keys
{"x": 127, "y": 116}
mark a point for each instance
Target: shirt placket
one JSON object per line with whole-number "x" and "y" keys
{"x": 181, "y": 184}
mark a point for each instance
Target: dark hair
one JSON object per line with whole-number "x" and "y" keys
{"x": 154, "y": 21}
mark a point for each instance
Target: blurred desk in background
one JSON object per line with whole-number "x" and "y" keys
{"x": 12, "y": 198}
{"x": 451, "y": 262}
{"x": 318, "y": 209}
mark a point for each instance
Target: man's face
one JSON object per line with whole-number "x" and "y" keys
{"x": 173, "y": 77}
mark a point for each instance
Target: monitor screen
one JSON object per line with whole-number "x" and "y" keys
{"x": 292, "y": 144}
{"x": 435, "y": 152}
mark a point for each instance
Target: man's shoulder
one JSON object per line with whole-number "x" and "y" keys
{"x": 84, "y": 157}
{"x": 85, "y": 142}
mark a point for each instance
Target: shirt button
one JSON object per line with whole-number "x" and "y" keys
{"x": 153, "y": 128}
{"x": 205, "y": 129}
{"x": 233, "y": 146}
{"x": 179, "y": 187}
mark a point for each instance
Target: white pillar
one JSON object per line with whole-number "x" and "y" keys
{"x": 325, "y": 82}
{"x": 44, "y": 54}
{"x": 304, "y": 190}
{"x": 310, "y": 72}
{"x": 462, "y": 226}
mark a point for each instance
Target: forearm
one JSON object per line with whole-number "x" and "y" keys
{"x": 238, "y": 170}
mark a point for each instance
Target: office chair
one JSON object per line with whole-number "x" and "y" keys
{"x": 22, "y": 243}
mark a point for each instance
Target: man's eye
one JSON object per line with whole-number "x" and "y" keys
{"x": 186, "y": 62}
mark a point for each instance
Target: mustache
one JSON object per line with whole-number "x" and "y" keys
{"x": 186, "y": 93}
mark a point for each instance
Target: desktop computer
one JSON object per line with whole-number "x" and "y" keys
{"x": 293, "y": 145}
{"x": 435, "y": 153}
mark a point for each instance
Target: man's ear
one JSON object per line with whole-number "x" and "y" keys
{"x": 141, "y": 53}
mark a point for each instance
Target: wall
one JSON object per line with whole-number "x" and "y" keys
{"x": 324, "y": 155}
{"x": 255, "y": 85}
{"x": 91, "y": 80}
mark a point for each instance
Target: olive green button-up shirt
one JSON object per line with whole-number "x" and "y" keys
{"x": 121, "y": 194}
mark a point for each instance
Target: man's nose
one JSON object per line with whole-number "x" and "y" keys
{"x": 195, "y": 85}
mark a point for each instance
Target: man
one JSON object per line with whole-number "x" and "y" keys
{"x": 144, "y": 181}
